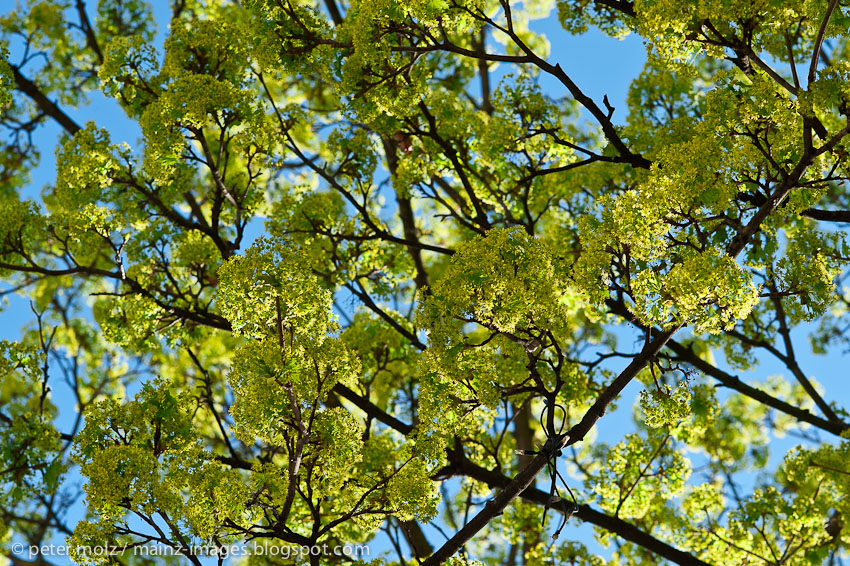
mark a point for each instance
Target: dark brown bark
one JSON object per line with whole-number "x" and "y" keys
{"x": 29, "y": 88}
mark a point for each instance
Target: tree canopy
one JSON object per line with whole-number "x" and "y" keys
{"x": 458, "y": 273}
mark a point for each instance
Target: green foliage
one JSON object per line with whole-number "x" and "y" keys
{"x": 28, "y": 457}
{"x": 369, "y": 262}
{"x": 7, "y": 81}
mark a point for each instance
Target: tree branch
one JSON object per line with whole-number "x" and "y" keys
{"x": 579, "y": 431}
{"x": 627, "y": 8}
{"x": 29, "y": 88}
{"x": 85, "y": 24}
{"x": 586, "y": 513}
{"x": 687, "y": 355}
{"x": 813, "y": 66}
{"x": 372, "y": 410}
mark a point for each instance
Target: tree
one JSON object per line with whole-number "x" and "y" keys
{"x": 459, "y": 275}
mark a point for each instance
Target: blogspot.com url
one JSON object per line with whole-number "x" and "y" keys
{"x": 353, "y": 551}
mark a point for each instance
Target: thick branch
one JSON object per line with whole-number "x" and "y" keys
{"x": 732, "y": 382}
{"x": 813, "y": 66}
{"x": 408, "y": 219}
{"x": 827, "y": 215}
{"x": 790, "y": 181}
{"x": 85, "y": 24}
{"x": 416, "y": 538}
{"x": 480, "y": 44}
{"x": 361, "y": 293}
{"x": 29, "y": 88}
{"x": 790, "y": 361}
{"x": 685, "y": 354}
{"x": 372, "y": 410}
{"x": 579, "y": 431}
{"x": 496, "y": 506}
{"x": 586, "y": 513}
{"x": 627, "y": 8}
{"x": 333, "y": 10}
{"x": 813, "y": 213}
